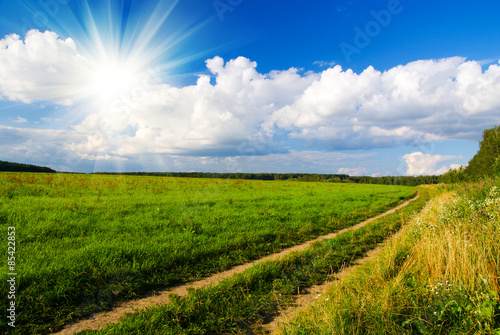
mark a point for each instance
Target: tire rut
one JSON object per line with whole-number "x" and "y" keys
{"x": 310, "y": 295}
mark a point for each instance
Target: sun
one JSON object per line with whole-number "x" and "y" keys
{"x": 118, "y": 53}
{"x": 110, "y": 80}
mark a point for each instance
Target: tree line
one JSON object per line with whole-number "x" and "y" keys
{"x": 339, "y": 178}
{"x": 18, "y": 167}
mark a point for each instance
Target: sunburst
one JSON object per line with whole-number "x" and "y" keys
{"x": 119, "y": 51}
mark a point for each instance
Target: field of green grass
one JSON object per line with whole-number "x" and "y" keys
{"x": 241, "y": 303}
{"x": 84, "y": 242}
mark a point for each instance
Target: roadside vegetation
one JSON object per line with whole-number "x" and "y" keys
{"x": 441, "y": 276}
{"x": 85, "y": 242}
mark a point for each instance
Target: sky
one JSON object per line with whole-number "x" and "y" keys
{"x": 390, "y": 87}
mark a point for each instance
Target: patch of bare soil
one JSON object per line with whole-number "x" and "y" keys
{"x": 99, "y": 320}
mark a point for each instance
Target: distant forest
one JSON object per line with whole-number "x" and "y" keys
{"x": 338, "y": 178}
{"x": 17, "y": 167}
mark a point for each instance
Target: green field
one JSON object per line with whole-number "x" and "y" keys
{"x": 243, "y": 302}
{"x": 84, "y": 242}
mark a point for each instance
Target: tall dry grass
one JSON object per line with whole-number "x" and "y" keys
{"x": 439, "y": 276}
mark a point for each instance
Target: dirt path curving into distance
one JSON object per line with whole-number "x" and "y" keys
{"x": 99, "y": 320}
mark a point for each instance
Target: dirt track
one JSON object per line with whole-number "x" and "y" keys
{"x": 306, "y": 299}
{"x": 99, "y": 320}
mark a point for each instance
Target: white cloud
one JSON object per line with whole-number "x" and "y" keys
{"x": 49, "y": 119}
{"x": 19, "y": 120}
{"x": 413, "y": 104}
{"x": 322, "y": 63}
{"x": 419, "y": 102}
{"x": 426, "y": 164}
{"x": 244, "y": 111}
{"x": 225, "y": 118}
{"x": 40, "y": 67}
{"x": 359, "y": 171}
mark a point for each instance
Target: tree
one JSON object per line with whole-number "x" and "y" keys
{"x": 497, "y": 166}
{"x": 454, "y": 176}
{"x": 485, "y": 162}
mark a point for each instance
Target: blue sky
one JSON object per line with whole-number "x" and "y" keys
{"x": 358, "y": 87}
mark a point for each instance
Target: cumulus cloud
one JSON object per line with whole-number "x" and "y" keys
{"x": 205, "y": 119}
{"x": 248, "y": 113}
{"x": 40, "y": 67}
{"x": 419, "y": 102}
{"x": 426, "y": 164}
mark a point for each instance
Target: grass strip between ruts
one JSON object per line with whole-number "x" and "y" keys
{"x": 246, "y": 299}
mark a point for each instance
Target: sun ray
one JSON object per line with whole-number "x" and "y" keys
{"x": 118, "y": 44}
{"x": 153, "y": 25}
{"x": 91, "y": 27}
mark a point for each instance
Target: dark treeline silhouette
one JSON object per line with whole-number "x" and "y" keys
{"x": 340, "y": 178}
{"x": 18, "y": 167}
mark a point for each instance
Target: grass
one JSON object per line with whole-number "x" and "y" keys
{"x": 441, "y": 276}
{"x": 85, "y": 242}
{"x": 240, "y": 303}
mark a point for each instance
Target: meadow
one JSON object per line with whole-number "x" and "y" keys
{"x": 84, "y": 242}
{"x": 245, "y": 301}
